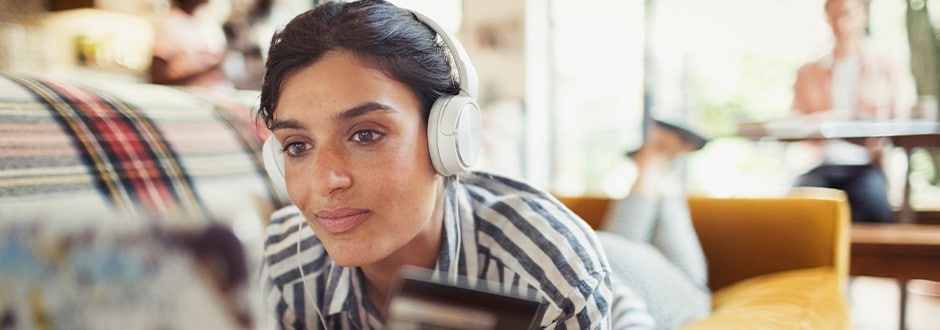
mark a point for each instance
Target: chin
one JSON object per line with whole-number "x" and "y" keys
{"x": 350, "y": 255}
{"x": 349, "y": 262}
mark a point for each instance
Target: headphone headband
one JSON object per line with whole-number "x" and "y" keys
{"x": 466, "y": 74}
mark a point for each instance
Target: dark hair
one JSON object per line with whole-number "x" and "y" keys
{"x": 379, "y": 34}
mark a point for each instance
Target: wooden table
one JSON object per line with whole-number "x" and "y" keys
{"x": 906, "y": 134}
{"x": 901, "y": 251}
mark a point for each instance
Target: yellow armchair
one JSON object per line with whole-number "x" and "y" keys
{"x": 773, "y": 263}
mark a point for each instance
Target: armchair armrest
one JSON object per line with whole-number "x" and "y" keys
{"x": 747, "y": 237}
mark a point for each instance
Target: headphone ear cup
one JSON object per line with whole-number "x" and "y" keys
{"x": 454, "y": 134}
{"x": 274, "y": 165}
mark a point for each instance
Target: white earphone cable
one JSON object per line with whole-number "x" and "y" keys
{"x": 459, "y": 246}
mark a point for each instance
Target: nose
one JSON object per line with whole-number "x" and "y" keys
{"x": 327, "y": 173}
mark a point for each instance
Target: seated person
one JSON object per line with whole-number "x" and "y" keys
{"x": 348, "y": 93}
{"x": 850, "y": 83}
{"x": 649, "y": 236}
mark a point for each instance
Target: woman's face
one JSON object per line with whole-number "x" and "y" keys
{"x": 356, "y": 160}
{"x": 847, "y": 18}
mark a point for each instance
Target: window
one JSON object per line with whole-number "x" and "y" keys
{"x": 590, "y": 73}
{"x": 713, "y": 64}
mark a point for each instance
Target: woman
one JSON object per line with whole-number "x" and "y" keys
{"x": 347, "y": 92}
{"x": 852, "y": 82}
{"x": 652, "y": 227}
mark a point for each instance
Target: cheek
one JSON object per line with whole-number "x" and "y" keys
{"x": 410, "y": 178}
{"x": 407, "y": 159}
{"x": 404, "y": 174}
{"x": 299, "y": 186}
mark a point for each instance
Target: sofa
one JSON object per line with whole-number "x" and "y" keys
{"x": 73, "y": 146}
{"x": 773, "y": 262}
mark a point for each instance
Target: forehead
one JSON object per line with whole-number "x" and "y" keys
{"x": 339, "y": 81}
{"x": 335, "y": 68}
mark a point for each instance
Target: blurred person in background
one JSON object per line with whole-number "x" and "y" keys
{"x": 850, "y": 83}
{"x": 245, "y": 61}
{"x": 189, "y": 51}
{"x": 649, "y": 237}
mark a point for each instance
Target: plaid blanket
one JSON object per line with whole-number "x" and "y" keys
{"x": 71, "y": 149}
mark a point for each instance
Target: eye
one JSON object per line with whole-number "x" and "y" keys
{"x": 294, "y": 149}
{"x": 366, "y": 136}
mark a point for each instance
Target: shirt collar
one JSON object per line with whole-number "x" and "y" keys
{"x": 458, "y": 255}
{"x": 340, "y": 283}
{"x": 448, "y": 260}
{"x": 828, "y": 60}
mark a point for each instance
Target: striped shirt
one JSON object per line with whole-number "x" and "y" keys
{"x": 495, "y": 229}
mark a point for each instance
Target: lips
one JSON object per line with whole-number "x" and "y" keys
{"x": 341, "y": 220}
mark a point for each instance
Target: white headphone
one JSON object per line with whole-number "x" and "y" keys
{"x": 454, "y": 125}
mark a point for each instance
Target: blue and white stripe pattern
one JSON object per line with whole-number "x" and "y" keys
{"x": 496, "y": 229}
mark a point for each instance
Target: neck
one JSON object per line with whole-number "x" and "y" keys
{"x": 381, "y": 277}
{"x": 846, "y": 48}
{"x": 378, "y": 286}
{"x": 422, "y": 251}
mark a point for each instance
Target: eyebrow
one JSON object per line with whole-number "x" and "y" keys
{"x": 363, "y": 109}
{"x": 351, "y": 113}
